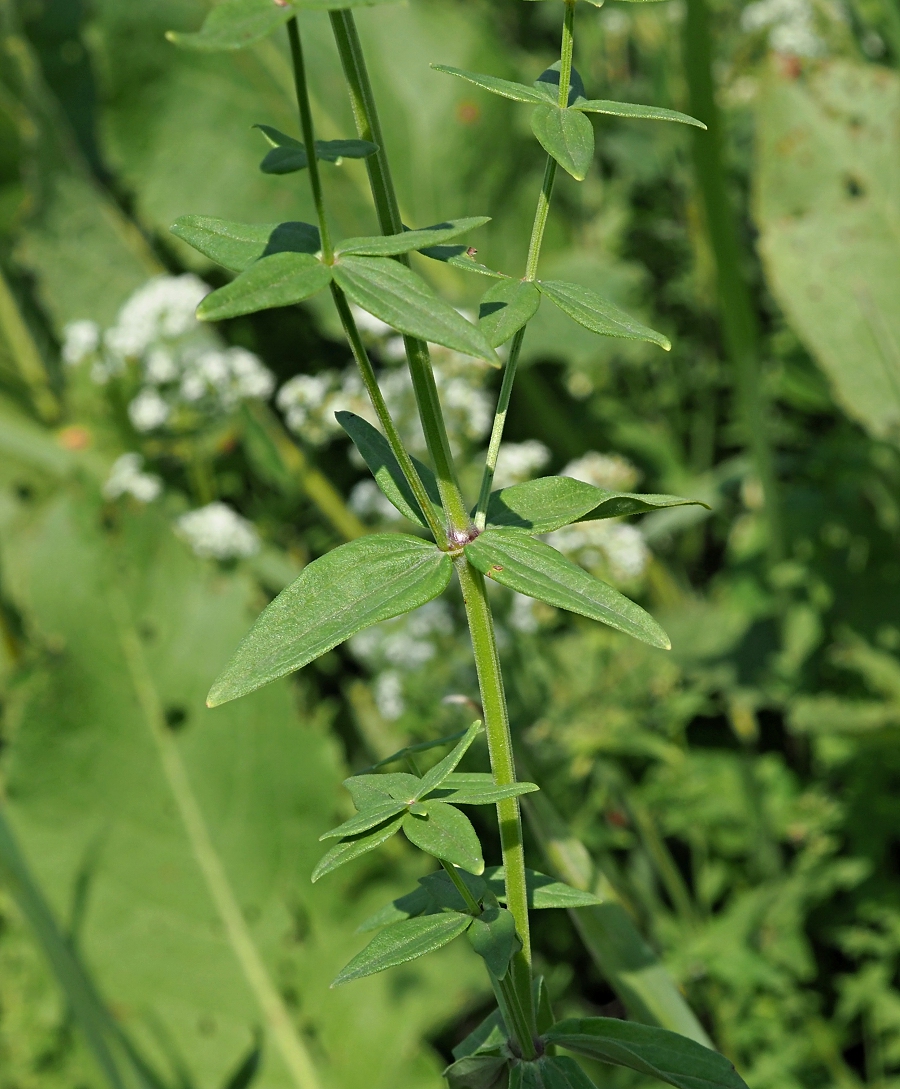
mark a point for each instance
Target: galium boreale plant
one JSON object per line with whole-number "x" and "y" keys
{"x": 386, "y": 574}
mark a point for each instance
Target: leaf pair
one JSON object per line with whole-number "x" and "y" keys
{"x": 288, "y": 155}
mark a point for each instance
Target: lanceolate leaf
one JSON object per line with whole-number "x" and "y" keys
{"x": 396, "y": 295}
{"x": 236, "y": 246}
{"x": 348, "y": 849}
{"x": 390, "y": 245}
{"x": 289, "y": 155}
{"x": 368, "y": 818}
{"x": 445, "y": 833}
{"x": 518, "y": 92}
{"x": 403, "y": 942}
{"x": 493, "y": 937}
{"x": 481, "y": 793}
{"x": 631, "y": 109}
{"x": 279, "y": 280}
{"x": 551, "y": 502}
{"x": 414, "y": 903}
{"x": 412, "y": 750}
{"x": 530, "y": 567}
{"x": 661, "y": 1054}
{"x": 595, "y": 313}
{"x": 566, "y": 135}
{"x": 337, "y": 595}
{"x": 460, "y": 257}
{"x": 378, "y": 455}
{"x": 543, "y": 891}
{"x": 475, "y": 1072}
{"x": 436, "y": 776}
{"x": 369, "y": 790}
{"x": 444, "y": 892}
{"x": 505, "y": 308}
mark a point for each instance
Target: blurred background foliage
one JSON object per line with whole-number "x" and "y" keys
{"x": 736, "y": 802}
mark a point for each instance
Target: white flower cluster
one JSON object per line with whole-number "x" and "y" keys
{"x": 127, "y": 478}
{"x": 790, "y": 24}
{"x": 610, "y": 471}
{"x": 182, "y": 373}
{"x": 519, "y": 461}
{"x": 309, "y": 403}
{"x": 217, "y": 532}
{"x": 369, "y": 501}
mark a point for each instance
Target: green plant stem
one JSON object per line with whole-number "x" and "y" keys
{"x": 293, "y": 1051}
{"x": 368, "y": 127}
{"x": 565, "y": 57}
{"x": 461, "y": 887}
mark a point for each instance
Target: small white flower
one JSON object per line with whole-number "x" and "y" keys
{"x": 80, "y": 339}
{"x": 389, "y": 695}
{"x": 163, "y": 307}
{"x": 160, "y": 367}
{"x": 622, "y": 546}
{"x": 519, "y": 461}
{"x": 213, "y": 367}
{"x": 218, "y": 532}
{"x": 790, "y": 23}
{"x": 148, "y": 410}
{"x": 609, "y": 471}
{"x": 192, "y": 387}
{"x": 126, "y": 477}
{"x": 251, "y": 378}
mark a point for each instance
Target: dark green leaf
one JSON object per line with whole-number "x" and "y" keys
{"x": 365, "y": 820}
{"x": 389, "y": 245}
{"x": 518, "y": 92}
{"x": 489, "y": 1037}
{"x": 493, "y": 937}
{"x": 396, "y": 295}
{"x": 566, "y": 135}
{"x": 289, "y": 155}
{"x": 433, "y": 778}
{"x": 412, "y": 904}
{"x": 480, "y": 793}
{"x": 661, "y": 1054}
{"x": 369, "y": 790}
{"x": 561, "y": 1072}
{"x": 377, "y": 454}
{"x": 348, "y": 849}
{"x": 475, "y": 1072}
{"x": 551, "y": 502}
{"x": 236, "y": 246}
{"x": 631, "y": 109}
{"x": 597, "y": 314}
{"x": 505, "y": 308}
{"x": 445, "y": 833}
{"x": 403, "y": 942}
{"x": 547, "y": 85}
{"x": 337, "y": 595}
{"x": 279, "y": 280}
{"x": 542, "y": 1006}
{"x": 530, "y": 567}
{"x": 445, "y": 894}
{"x": 543, "y": 891}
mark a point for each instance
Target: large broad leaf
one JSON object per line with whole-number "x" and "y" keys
{"x": 551, "y": 502}
{"x": 505, "y": 308}
{"x": 662, "y": 1054}
{"x": 518, "y": 92}
{"x": 632, "y": 109}
{"x": 390, "y": 245}
{"x": 403, "y": 942}
{"x": 597, "y": 314}
{"x": 566, "y": 135}
{"x": 826, "y": 206}
{"x": 543, "y": 891}
{"x": 236, "y": 246}
{"x": 337, "y": 595}
{"x": 279, "y": 280}
{"x": 288, "y": 154}
{"x": 349, "y": 849}
{"x": 531, "y": 567}
{"x": 445, "y": 833}
{"x": 396, "y": 295}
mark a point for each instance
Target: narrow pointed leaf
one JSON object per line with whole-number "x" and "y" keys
{"x": 377, "y": 454}
{"x": 493, "y": 937}
{"x": 369, "y": 790}
{"x": 542, "y": 1005}
{"x": 365, "y": 820}
{"x": 530, "y": 567}
{"x": 551, "y": 502}
{"x": 289, "y": 155}
{"x": 396, "y": 295}
{"x": 662, "y": 1054}
{"x": 279, "y": 280}
{"x": 236, "y": 246}
{"x": 403, "y": 942}
{"x": 460, "y": 257}
{"x": 488, "y": 1037}
{"x": 412, "y": 750}
{"x": 480, "y": 793}
{"x": 475, "y": 1072}
{"x": 389, "y": 245}
{"x": 543, "y": 892}
{"x": 337, "y": 595}
{"x": 597, "y": 314}
{"x": 566, "y": 135}
{"x": 561, "y": 1072}
{"x": 445, "y": 833}
{"x": 505, "y": 308}
{"x": 632, "y": 109}
{"x": 349, "y": 849}
{"x": 518, "y": 92}
{"x": 433, "y": 778}
{"x": 409, "y": 906}
{"x": 547, "y": 85}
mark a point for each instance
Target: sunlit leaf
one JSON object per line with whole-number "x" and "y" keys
{"x": 363, "y": 821}
{"x": 631, "y": 109}
{"x": 493, "y": 937}
{"x": 279, "y": 280}
{"x": 445, "y": 833}
{"x": 436, "y": 776}
{"x": 465, "y": 789}
{"x": 518, "y": 92}
{"x": 543, "y": 892}
{"x": 547, "y": 84}
{"x": 505, "y": 308}
{"x": 369, "y": 790}
{"x": 289, "y": 155}
{"x": 597, "y": 314}
{"x": 236, "y": 246}
{"x": 402, "y": 942}
{"x": 390, "y": 245}
{"x": 349, "y": 849}
{"x": 566, "y": 135}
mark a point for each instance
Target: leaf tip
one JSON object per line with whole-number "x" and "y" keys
{"x": 666, "y": 344}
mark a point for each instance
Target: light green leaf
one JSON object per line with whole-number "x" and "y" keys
{"x": 631, "y": 109}
{"x": 662, "y": 1054}
{"x": 467, "y": 790}
{"x": 445, "y": 833}
{"x": 436, "y": 775}
{"x": 460, "y": 257}
{"x": 475, "y": 1072}
{"x": 337, "y": 595}
{"x": 547, "y": 84}
{"x": 236, "y": 246}
{"x": 530, "y": 567}
{"x": 365, "y": 820}
{"x": 595, "y": 313}
{"x": 396, "y": 295}
{"x": 518, "y": 92}
{"x": 411, "y": 750}
{"x": 390, "y": 245}
{"x": 403, "y": 942}
{"x": 349, "y": 849}
{"x": 551, "y": 502}
{"x": 377, "y": 454}
{"x": 279, "y": 280}
{"x": 543, "y": 892}
{"x": 505, "y": 308}
{"x": 412, "y": 904}
{"x": 369, "y": 790}
{"x": 566, "y": 135}
{"x": 493, "y": 937}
